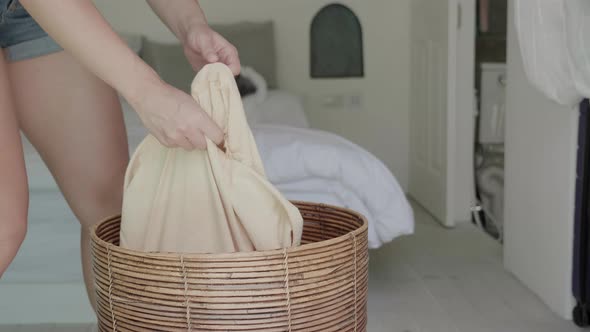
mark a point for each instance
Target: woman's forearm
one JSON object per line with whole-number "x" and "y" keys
{"x": 178, "y": 15}
{"x": 81, "y": 30}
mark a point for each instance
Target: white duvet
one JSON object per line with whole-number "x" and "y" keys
{"x": 312, "y": 165}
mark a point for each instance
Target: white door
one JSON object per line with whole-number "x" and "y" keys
{"x": 539, "y": 184}
{"x": 441, "y": 112}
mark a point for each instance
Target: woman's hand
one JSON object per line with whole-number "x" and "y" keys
{"x": 175, "y": 118}
{"x": 202, "y": 46}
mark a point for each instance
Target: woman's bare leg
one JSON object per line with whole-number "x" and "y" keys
{"x": 74, "y": 120}
{"x": 14, "y": 197}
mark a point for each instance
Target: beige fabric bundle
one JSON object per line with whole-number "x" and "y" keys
{"x": 206, "y": 201}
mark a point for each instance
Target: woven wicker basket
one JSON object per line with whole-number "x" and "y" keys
{"x": 318, "y": 286}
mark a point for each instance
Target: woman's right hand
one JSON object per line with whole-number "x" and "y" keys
{"x": 175, "y": 118}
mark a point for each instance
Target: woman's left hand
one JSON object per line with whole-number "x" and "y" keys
{"x": 202, "y": 46}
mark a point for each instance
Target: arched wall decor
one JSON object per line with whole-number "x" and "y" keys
{"x": 336, "y": 43}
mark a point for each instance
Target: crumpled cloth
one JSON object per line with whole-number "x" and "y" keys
{"x": 206, "y": 201}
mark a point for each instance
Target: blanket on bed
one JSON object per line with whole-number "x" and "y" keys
{"x": 313, "y": 165}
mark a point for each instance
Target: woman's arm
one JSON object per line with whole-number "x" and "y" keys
{"x": 202, "y": 45}
{"x": 171, "y": 115}
{"x": 80, "y": 29}
{"x": 179, "y": 15}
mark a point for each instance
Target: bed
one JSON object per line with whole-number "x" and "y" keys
{"x": 44, "y": 284}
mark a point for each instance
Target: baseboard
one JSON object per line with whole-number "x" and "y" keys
{"x": 45, "y": 304}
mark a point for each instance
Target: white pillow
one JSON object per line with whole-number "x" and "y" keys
{"x": 282, "y": 108}
{"x": 251, "y": 102}
{"x": 272, "y": 107}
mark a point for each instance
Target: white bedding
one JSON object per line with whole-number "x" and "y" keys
{"x": 279, "y": 107}
{"x": 312, "y": 165}
{"x": 272, "y": 106}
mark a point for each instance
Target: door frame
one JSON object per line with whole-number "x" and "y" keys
{"x": 461, "y": 112}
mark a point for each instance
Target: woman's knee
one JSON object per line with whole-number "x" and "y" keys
{"x": 108, "y": 189}
{"x": 103, "y": 196}
{"x": 14, "y": 229}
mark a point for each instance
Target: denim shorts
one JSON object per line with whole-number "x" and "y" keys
{"x": 20, "y": 36}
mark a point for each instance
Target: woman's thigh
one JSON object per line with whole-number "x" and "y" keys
{"x": 13, "y": 179}
{"x": 75, "y": 121}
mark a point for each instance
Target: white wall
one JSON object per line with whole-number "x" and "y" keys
{"x": 383, "y": 126}
{"x": 541, "y": 139}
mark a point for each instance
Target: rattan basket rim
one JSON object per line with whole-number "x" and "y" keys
{"x": 237, "y": 255}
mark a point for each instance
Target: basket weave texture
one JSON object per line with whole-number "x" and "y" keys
{"x": 318, "y": 286}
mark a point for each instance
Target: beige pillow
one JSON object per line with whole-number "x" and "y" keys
{"x": 254, "y": 41}
{"x": 169, "y": 61}
{"x": 206, "y": 201}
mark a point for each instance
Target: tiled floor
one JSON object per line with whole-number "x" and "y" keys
{"x": 437, "y": 281}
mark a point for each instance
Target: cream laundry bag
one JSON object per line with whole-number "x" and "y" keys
{"x": 206, "y": 201}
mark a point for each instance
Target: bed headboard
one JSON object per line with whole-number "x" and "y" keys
{"x": 255, "y": 42}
